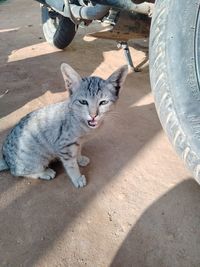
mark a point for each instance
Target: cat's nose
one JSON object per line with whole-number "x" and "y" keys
{"x": 93, "y": 115}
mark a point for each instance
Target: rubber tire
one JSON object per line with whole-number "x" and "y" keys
{"x": 174, "y": 74}
{"x": 59, "y": 36}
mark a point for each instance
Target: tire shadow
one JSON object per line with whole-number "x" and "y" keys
{"x": 167, "y": 233}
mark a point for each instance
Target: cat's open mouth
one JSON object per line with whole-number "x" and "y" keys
{"x": 92, "y": 123}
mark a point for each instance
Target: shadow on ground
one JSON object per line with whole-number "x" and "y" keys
{"x": 167, "y": 234}
{"x": 28, "y": 78}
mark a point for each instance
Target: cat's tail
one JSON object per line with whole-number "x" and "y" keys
{"x": 3, "y": 165}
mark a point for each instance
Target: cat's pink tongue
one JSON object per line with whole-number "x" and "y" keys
{"x": 92, "y": 123}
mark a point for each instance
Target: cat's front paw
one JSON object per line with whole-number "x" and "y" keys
{"x": 83, "y": 161}
{"x": 80, "y": 182}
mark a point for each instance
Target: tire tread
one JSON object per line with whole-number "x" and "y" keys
{"x": 161, "y": 91}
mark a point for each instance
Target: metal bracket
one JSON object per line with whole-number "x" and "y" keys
{"x": 128, "y": 57}
{"x": 127, "y": 53}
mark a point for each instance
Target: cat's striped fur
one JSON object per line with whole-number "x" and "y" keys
{"x": 58, "y": 130}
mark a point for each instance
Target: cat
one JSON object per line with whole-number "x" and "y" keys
{"x": 58, "y": 131}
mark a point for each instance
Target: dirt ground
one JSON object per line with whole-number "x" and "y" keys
{"x": 140, "y": 207}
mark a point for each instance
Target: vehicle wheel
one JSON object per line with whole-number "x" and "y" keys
{"x": 175, "y": 75}
{"x": 58, "y": 30}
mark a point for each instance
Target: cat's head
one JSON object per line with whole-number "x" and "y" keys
{"x": 92, "y": 97}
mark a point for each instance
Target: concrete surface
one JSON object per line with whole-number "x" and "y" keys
{"x": 140, "y": 207}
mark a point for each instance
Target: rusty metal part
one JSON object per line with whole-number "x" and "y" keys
{"x": 128, "y": 26}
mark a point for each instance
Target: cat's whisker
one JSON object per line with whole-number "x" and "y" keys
{"x": 115, "y": 114}
{"x": 115, "y": 118}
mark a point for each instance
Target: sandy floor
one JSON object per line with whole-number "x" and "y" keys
{"x": 140, "y": 207}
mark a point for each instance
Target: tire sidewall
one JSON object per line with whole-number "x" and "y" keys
{"x": 60, "y": 35}
{"x": 180, "y": 73}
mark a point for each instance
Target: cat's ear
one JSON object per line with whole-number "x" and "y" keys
{"x": 118, "y": 77}
{"x": 71, "y": 77}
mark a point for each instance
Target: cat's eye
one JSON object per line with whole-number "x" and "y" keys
{"x": 104, "y": 102}
{"x": 83, "y": 102}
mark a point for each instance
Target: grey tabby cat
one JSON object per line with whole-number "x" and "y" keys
{"x": 57, "y": 131}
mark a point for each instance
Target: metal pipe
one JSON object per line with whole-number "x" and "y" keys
{"x": 143, "y": 8}
{"x": 89, "y": 12}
